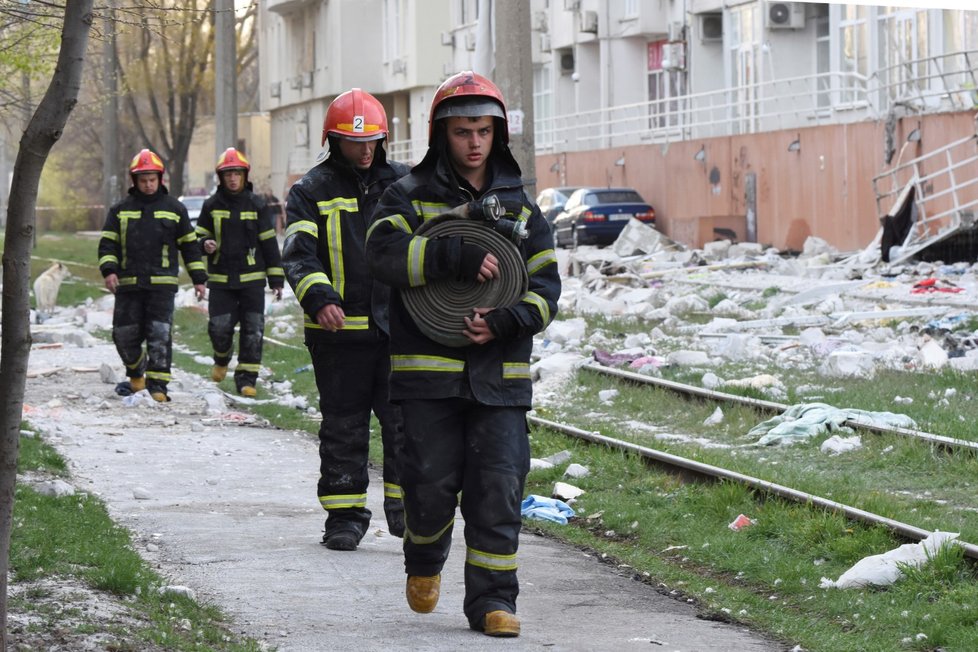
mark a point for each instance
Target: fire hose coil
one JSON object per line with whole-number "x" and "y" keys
{"x": 439, "y": 308}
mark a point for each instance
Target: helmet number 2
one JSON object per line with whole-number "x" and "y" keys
{"x": 358, "y": 123}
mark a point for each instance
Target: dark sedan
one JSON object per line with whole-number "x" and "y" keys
{"x": 598, "y": 215}
{"x": 551, "y": 201}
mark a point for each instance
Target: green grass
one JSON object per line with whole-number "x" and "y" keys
{"x": 675, "y": 536}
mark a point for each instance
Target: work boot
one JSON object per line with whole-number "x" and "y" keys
{"x": 137, "y": 383}
{"x": 159, "y": 396}
{"x": 501, "y": 623}
{"x": 341, "y": 540}
{"x": 422, "y": 592}
{"x": 248, "y": 391}
{"x": 218, "y": 372}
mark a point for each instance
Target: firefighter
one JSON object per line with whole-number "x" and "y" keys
{"x": 236, "y": 228}
{"x": 464, "y": 407}
{"x": 138, "y": 260}
{"x": 346, "y": 312}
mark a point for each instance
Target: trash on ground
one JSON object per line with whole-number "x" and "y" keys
{"x": 741, "y": 522}
{"x": 567, "y": 492}
{"x": 885, "y": 569}
{"x": 576, "y": 471}
{"x": 546, "y": 509}
{"x": 836, "y": 444}
{"x": 805, "y": 420}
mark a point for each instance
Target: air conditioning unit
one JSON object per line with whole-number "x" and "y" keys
{"x": 295, "y": 83}
{"x": 676, "y": 30}
{"x": 572, "y": 5}
{"x": 784, "y": 15}
{"x": 540, "y": 22}
{"x": 545, "y": 43}
{"x": 470, "y": 41}
{"x": 307, "y": 79}
{"x": 711, "y": 27}
{"x": 589, "y": 22}
{"x": 674, "y": 55}
{"x": 447, "y": 38}
{"x": 275, "y": 89}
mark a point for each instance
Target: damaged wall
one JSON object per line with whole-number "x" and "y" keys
{"x": 821, "y": 186}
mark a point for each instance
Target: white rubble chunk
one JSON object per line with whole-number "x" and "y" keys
{"x": 141, "y": 493}
{"x": 178, "y": 590}
{"x": 55, "y": 489}
{"x": 556, "y": 364}
{"x": 566, "y": 492}
{"x": 638, "y": 340}
{"x": 107, "y": 374}
{"x": 558, "y": 458}
{"x": 714, "y": 419}
{"x": 933, "y": 355}
{"x": 837, "y": 444}
{"x": 849, "y": 364}
{"x": 567, "y": 330}
{"x": 710, "y": 380}
{"x": 576, "y": 471}
{"x": 689, "y": 359}
{"x": 607, "y": 395}
{"x": 687, "y": 303}
{"x": 716, "y": 250}
{"x": 538, "y": 464}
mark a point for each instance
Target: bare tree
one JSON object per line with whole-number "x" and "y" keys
{"x": 43, "y": 131}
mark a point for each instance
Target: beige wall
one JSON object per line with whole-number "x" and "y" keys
{"x": 825, "y": 189}
{"x": 253, "y": 129}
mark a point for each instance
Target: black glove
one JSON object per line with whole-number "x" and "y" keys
{"x": 502, "y": 323}
{"x": 470, "y": 261}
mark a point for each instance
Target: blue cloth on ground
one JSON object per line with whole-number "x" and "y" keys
{"x": 546, "y": 509}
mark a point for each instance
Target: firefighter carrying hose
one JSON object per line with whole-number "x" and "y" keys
{"x": 236, "y": 228}
{"x": 464, "y": 406}
{"x": 346, "y": 312}
{"x": 137, "y": 256}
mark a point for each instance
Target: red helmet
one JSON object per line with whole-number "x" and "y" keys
{"x": 355, "y": 115}
{"x": 146, "y": 161}
{"x": 467, "y": 94}
{"x": 232, "y": 159}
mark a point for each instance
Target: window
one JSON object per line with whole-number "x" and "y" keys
{"x": 667, "y": 87}
{"x": 629, "y": 9}
{"x": 392, "y": 30}
{"x": 853, "y": 51}
{"x": 543, "y": 105}
{"x": 744, "y": 50}
{"x": 902, "y": 52}
{"x": 823, "y": 63}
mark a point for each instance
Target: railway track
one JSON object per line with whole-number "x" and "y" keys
{"x": 688, "y": 468}
{"x": 770, "y": 406}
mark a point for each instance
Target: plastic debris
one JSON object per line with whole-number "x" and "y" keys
{"x": 546, "y": 509}
{"x": 741, "y": 522}
{"x": 805, "y": 420}
{"x": 885, "y": 569}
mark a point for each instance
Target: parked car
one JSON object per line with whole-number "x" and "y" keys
{"x": 598, "y": 215}
{"x": 193, "y": 203}
{"x": 551, "y": 201}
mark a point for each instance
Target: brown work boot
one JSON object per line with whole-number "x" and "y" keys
{"x": 248, "y": 391}
{"x": 159, "y": 397}
{"x": 218, "y": 372}
{"x": 137, "y": 383}
{"x": 422, "y": 592}
{"x": 501, "y": 623}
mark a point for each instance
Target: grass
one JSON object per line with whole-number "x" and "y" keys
{"x": 675, "y": 536}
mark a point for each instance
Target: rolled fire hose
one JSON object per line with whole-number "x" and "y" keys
{"x": 439, "y": 308}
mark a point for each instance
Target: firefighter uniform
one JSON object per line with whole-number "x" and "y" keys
{"x": 464, "y": 407}
{"x": 246, "y": 257}
{"x": 324, "y": 262}
{"x": 139, "y": 244}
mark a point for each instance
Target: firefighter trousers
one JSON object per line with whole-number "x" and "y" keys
{"x": 145, "y": 316}
{"x": 459, "y": 445}
{"x": 353, "y": 380}
{"x": 229, "y": 308}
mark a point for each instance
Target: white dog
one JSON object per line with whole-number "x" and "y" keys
{"x": 46, "y": 287}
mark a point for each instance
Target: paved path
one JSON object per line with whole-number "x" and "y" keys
{"x": 230, "y": 511}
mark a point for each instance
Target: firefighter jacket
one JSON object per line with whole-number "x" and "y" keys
{"x": 243, "y": 226}
{"x": 140, "y": 239}
{"x": 495, "y": 373}
{"x": 323, "y": 256}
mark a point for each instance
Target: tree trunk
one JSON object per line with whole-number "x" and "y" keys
{"x": 42, "y": 133}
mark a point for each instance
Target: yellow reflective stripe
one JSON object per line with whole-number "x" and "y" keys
{"x": 303, "y": 226}
{"x": 332, "y": 211}
{"x": 275, "y": 271}
{"x": 540, "y": 260}
{"x": 249, "y": 215}
{"x": 124, "y": 217}
{"x": 138, "y": 363}
{"x": 159, "y": 375}
{"x": 222, "y": 354}
{"x": 204, "y": 233}
{"x": 252, "y": 276}
{"x": 417, "y": 538}
{"x": 540, "y": 303}
{"x": 392, "y": 490}
{"x": 525, "y": 213}
{"x": 108, "y": 258}
{"x": 189, "y": 237}
{"x": 219, "y": 217}
{"x": 128, "y": 280}
{"x": 349, "y": 323}
{"x": 316, "y": 278}
{"x": 267, "y": 235}
{"x": 166, "y": 215}
{"x": 247, "y": 366}
{"x": 428, "y": 209}
{"x": 426, "y": 363}
{"x": 110, "y": 235}
{"x": 348, "y": 204}
{"x": 415, "y": 261}
{"x": 489, "y": 560}
{"x": 343, "y": 501}
{"x": 220, "y": 278}
{"x": 516, "y": 370}
{"x": 397, "y": 221}
{"x": 198, "y": 264}
{"x": 163, "y": 280}
{"x": 165, "y": 261}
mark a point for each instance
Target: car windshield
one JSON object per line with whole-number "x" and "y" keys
{"x": 614, "y": 197}
{"x": 193, "y": 203}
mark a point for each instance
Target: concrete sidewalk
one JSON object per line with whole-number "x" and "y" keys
{"x": 230, "y": 511}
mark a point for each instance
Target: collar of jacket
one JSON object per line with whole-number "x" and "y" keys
{"x": 147, "y": 199}
{"x": 234, "y": 198}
